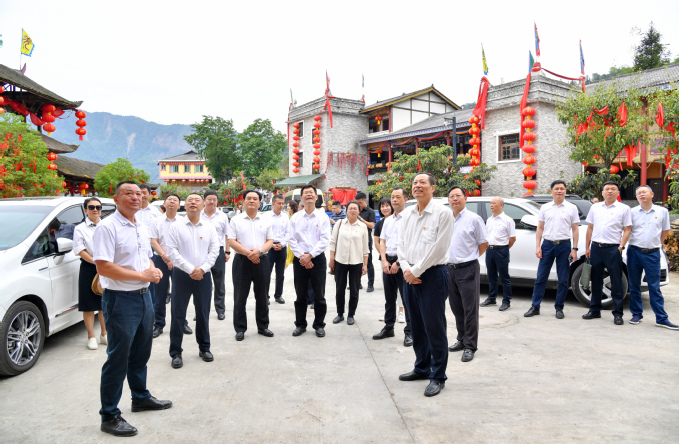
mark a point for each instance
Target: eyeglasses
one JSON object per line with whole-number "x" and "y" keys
{"x": 94, "y": 207}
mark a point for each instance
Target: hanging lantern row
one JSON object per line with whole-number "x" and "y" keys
{"x": 48, "y": 118}
{"x": 2, "y": 100}
{"x": 317, "y": 144}
{"x": 81, "y": 131}
{"x": 528, "y": 148}
{"x": 295, "y": 151}
{"x": 475, "y": 151}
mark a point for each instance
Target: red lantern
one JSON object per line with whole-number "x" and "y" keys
{"x": 317, "y": 166}
{"x": 153, "y": 193}
{"x": 296, "y": 124}
{"x": 317, "y": 118}
{"x": 295, "y": 138}
{"x": 2, "y": 100}
{"x": 474, "y": 152}
{"x": 530, "y": 185}
{"x": 475, "y": 141}
{"x": 529, "y": 160}
{"x": 317, "y": 146}
{"x": 529, "y": 137}
{"x": 528, "y": 123}
{"x": 317, "y": 132}
{"x": 528, "y": 111}
{"x": 296, "y": 145}
{"x": 529, "y": 172}
{"x": 295, "y": 131}
{"x": 81, "y": 132}
{"x": 317, "y": 159}
{"x": 49, "y": 118}
{"x": 474, "y": 161}
{"x": 614, "y": 169}
{"x": 295, "y": 170}
{"x": 317, "y": 125}
{"x": 476, "y": 193}
{"x": 295, "y": 164}
{"x": 52, "y": 166}
{"x": 474, "y": 119}
{"x": 48, "y": 109}
{"x": 529, "y": 149}
{"x": 317, "y": 139}
{"x": 64, "y": 185}
{"x": 49, "y": 128}
{"x": 80, "y": 114}
{"x": 474, "y": 131}
{"x": 52, "y": 156}
{"x": 296, "y": 151}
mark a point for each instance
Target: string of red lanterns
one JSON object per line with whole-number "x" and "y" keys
{"x": 52, "y": 157}
{"x": 528, "y": 148}
{"x": 475, "y": 151}
{"x": 48, "y": 117}
{"x": 81, "y": 131}
{"x": 2, "y": 100}
{"x": 317, "y": 144}
{"x": 295, "y": 151}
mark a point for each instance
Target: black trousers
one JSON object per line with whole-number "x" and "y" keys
{"x": 611, "y": 259}
{"x": 393, "y": 284}
{"x": 244, "y": 273}
{"x": 497, "y": 262}
{"x": 316, "y": 278}
{"x": 465, "y": 289}
{"x": 183, "y": 287}
{"x": 277, "y": 259}
{"x": 354, "y": 274}
{"x": 371, "y": 269}
{"x": 161, "y": 291}
{"x": 218, "y": 271}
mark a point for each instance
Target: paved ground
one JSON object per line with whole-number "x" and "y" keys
{"x": 532, "y": 380}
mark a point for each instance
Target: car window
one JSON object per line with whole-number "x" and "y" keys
{"x": 516, "y": 213}
{"x": 17, "y": 222}
{"x": 473, "y": 207}
{"x": 64, "y": 224}
{"x": 41, "y": 247}
{"x": 107, "y": 209}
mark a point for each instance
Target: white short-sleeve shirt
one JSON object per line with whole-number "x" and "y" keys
{"x": 559, "y": 220}
{"x": 83, "y": 237}
{"x": 250, "y": 233}
{"x": 221, "y": 223}
{"x": 647, "y": 226}
{"x": 609, "y": 221}
{"x": 469, "y": 232}
{"x": 499, "y": 229}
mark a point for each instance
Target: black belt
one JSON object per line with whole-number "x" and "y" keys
{"x": 557, "y": 242}
{"x": 138, "y": 291}
{"x": 497, "y": 247}
{"x": 462, "y": 264}
{"x": 645, "y": 250}
{"x": 600, "y": 245}
{"x": 391, "y": 258}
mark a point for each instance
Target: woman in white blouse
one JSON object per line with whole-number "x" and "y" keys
{"x": 348, "y": 256}
{"x": 88, "y": 301}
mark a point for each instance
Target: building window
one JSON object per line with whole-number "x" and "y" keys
{"x": 301, "y": 129}
{"x": 174, "y": 168}
{"x": 509, "y": 148}
{"x": 301, "y": 160}
{"x": 162, "y": 167}
{"x": 187, "y": 168}
{"x": 199, "y": 168}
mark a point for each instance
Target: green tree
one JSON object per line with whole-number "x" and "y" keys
{"x": 23, "y": 161}
{"x": 122, "y": 169}
{"x": 437, "y": 161}
{"x": 268, "y": 177}
{"x": 232, "y": 191}
{"x": 173, "y": 188}
{"x": 651, "y": 53}
{"x": 666, "y": 138}
{"x": 261, "y": 148}
{"x": 216, "y": 141}
{"x": 590, "y": 185}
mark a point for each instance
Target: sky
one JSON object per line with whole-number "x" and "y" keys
{"x": 175, "y": 61}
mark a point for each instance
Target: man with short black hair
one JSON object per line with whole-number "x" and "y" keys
{"x": 280, "y": 224}
{"x": 310, "y": 238}
{"x": 650, "y": 228}
{"x": 251, "y": 237}
{"x": 122, "y": 253}
{"x": 221, "y": 223}
{"x": 610, "y": 225}
{"x": 337, "y": 212}
{"x": 367, "y": 216}
{"x": 557, "y": 220}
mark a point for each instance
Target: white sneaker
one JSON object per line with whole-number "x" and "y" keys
{"x": 401, "y": 317}
{"x": 103, "y": 340}
{"x": 382, "y": 318}
{"x": 92, "y": 344}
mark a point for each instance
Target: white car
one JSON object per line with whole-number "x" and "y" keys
{"x": 523, "y": 264}
{"x": 39, "y": 287}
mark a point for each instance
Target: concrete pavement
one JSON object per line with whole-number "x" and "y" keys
{"x": 533, "y": 380}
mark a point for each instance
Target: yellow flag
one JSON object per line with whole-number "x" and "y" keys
{"x": 485, "y": 66}
{"x": 27, "y": 45}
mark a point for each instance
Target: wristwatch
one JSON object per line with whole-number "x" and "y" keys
{"x": 228, "y": 252}
{"x": 622, "y": 247}
{"x": 575, "y": 249}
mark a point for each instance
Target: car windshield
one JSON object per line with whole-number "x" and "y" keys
{"x": 18, "y": 221}
{"x": 536, "y": 206}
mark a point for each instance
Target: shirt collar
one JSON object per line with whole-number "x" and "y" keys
{"x": 188, "y": 222}
{"x": 461, "y": 213}
{"x": 641, "y": 209}
{"x": 499, "y": 216}
{"x": 123, "y": 220}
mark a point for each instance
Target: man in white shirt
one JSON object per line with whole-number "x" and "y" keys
{"x": 610, "y": 225}
{"x": 158, "y": 232}
{"x": 251, "y": 237}
{"x": 122, "y": 253}
{"x": 310, "y": 238}
{"x": 193, "y": 247}
{"x": 556, "y": 221}
{"x": 468, "y": 243}
{"x": 501, "y": 235}
{"x": 221, "y": 224}
{"x": 147, "y": 214}
{"x": 280, "y": 223}
{"x": 650, "y": 228}
{"x": 423, "y": 243}
{"x": 392, "y": 274}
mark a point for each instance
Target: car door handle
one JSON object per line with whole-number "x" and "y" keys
{"x": 44, "y": 268}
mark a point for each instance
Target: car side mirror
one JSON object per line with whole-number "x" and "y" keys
{"x": 64, "y": 245}
{"x": 530, "y": 221}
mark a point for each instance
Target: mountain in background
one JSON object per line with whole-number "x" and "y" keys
{"x": 110, "y": 136}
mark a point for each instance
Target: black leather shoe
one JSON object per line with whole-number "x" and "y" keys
{"x": 150, "y": 404}
{"x": 467, "y": 355}
{"x": 617, "y": 320}
{"x": 408, "y": 341}
{"x": 206, "y": 355}
{"x": 118, "y": 427}
{"x": 187, "y": 330}
{"x": 320, "y": 332}
{"x": 221, "y": 316}
{"x": 434, "y": 388}
{"x": 157, "y": 331}
{"x": 532, "y": 312}
{"x": 559, "y": 313}
{"x": 591, "y": 315}
{"x": 298, "y": 331}
{"x": 504, "y": 306}
{"x": 265, "y": 332}
{"x": 338, "y": 319}
{"x": 370, "y": 289}
{"x": 413, "y": 376}
{"x": 488, "y": 302}
{"x": 280, "y": 300}
{"x": 456, "y": 347}
{"x": 177, "y": 361}
{"x": 350, "y": 320}
{"x": 386, "y": 332}
{"x": 240, "y": 336}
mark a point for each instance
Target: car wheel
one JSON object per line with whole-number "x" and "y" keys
{"x": 22, "y": 335}
{"x": 584, "y": 295}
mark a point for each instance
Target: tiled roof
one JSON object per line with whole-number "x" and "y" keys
{"x": 431, "y": 125}
{"x": 657, "y": 77}
{"x": 54, "y": 146}
{"x": 406, "y": 96}
{"x": 190, "y": 155}
{"x": 15, "y": 77}
{"x": 76, "y": 167}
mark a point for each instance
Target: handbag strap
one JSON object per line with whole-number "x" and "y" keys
{"x": 337, "y": 238}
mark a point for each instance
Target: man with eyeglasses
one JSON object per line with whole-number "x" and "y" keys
{"x": 122, "y": 253}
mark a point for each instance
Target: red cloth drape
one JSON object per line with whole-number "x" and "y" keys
{"x": 343, "y": 196}
{"x": 660, "y": 116}
{"x": 480, "y": 108}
